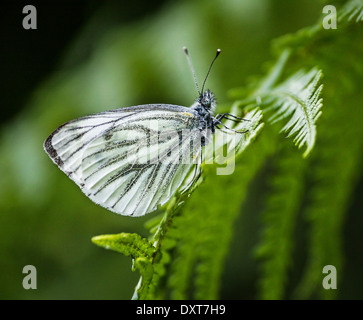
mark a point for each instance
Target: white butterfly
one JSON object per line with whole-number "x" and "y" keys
{"x": 132, "y": 160}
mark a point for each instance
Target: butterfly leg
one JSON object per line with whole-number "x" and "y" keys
{"x": 218, "y": 122}
{"x": 231, "y": 117}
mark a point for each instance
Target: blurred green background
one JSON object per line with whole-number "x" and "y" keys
{"x": 91, "y": 56}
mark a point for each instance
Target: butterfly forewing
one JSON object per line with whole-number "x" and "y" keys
{"x": 129, "y": 160}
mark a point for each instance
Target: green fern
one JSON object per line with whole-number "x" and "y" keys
{"x": 332, "y": 182}
{"x": 167, "y": 237}
{"x": 184, "y": 257}
{"x": 140, "y": 249}
{"x": 129, "y": 244}
{"x": 332, "y": 186}
{"x": 199, "y": 256}
{"x": 298, "y": 99}
{"x": 352, "y": 10}
{"x": 336, "y": 167}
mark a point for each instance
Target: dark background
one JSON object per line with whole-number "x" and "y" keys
{"x": 28, "y": 56}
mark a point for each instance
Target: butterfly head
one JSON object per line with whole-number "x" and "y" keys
{"x": 207, "y": 101}
{"x": 206, "y": 98}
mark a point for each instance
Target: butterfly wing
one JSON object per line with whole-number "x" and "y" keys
{"x": 128, "y": 160}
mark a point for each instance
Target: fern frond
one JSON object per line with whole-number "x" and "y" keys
{"x": 335, "y": 171}
{"x": 298, "y": 98}
{"x": 189, "y": 249}
{"x": 329, "y": 197}
{"x": 139, "y": 248}
{"x": 198, "y": 254}
{"x": 204, "y": 230}
{"x": 279, "y": 217}
{"x": 129, "y": 244}
{"x": 353, "y": 9}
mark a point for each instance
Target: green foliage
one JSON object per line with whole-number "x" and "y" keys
{"x": 286, "y": 186}
{"x": 352, "y": 10}
{"x": 303, "y": 108}
{"x": 265, "y": 231}
{"x": 129, "y": 244}
{"x": 186, "y": 254}
{"x": 194, "y": 235}
{"x": 331, "y": 177}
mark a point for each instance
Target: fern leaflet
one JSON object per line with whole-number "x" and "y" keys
{"x": 298, "y": 98}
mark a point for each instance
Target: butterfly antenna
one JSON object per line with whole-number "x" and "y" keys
{"x": 191, "y": 68}
{"x": 205, "y": 80}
